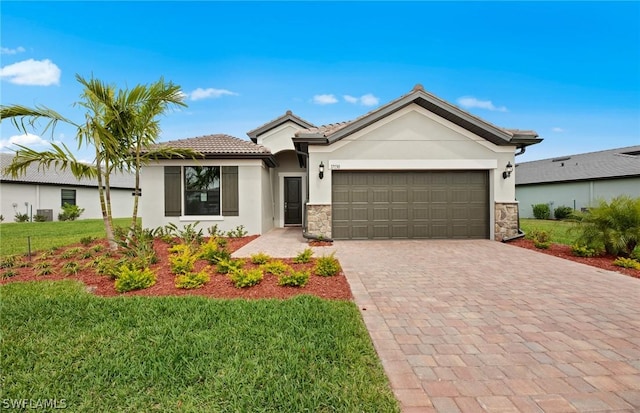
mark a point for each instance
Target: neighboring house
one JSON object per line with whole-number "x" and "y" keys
{"x": 43, "y": 192}
{"x": 417, "y": 167}
{"x": 578, "y": 181}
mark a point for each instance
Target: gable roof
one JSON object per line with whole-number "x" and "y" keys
{"x": 54, "y": 176}
{"x": 222, "y": 146}
{"x": 331, "y": 133}
{"x": 287, "y": 117}
{"x": 612, "y": 163}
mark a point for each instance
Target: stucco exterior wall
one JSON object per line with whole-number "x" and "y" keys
{"x": 279, "y": 139}
{"x": 288, "y": 166}
{"x": 250, "y": 192}
{"x": 50, "y": 197}
{"x": 576, "y": 195}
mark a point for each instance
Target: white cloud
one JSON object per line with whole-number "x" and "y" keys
{"x": 365, "y": 100}
{"x": 557, "y": 129}
{"x": 210, "y": 93}
{"x": 471, "y": 102}
{"x": 28, "y": 139}
{"x": 6, "y": 50}
{"x": 32, "y": 72}
{"x": 324, "y": 99}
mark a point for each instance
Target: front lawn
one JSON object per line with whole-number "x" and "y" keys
{"x": 187, "y": 353}
{"x": 560, "y": 231}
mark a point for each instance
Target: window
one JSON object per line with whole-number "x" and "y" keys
{"x": 68, "y": 197}
{"x": 202, "y": 190}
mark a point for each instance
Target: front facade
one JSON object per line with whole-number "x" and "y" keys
{"x": 578, "y": 181}
{"x": 416, "y": 167}
{"x": 44, "y": 191}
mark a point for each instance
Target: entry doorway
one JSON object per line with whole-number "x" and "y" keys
{"x": 292, "y": 200}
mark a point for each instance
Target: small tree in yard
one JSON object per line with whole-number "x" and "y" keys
{"x": 614, "y": 226}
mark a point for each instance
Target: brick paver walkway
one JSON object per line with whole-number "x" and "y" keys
{"x": 480, "y": 326}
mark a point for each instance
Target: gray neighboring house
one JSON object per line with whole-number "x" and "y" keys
{"x": 43, "y": 191}
{"x": 578, "y": 181}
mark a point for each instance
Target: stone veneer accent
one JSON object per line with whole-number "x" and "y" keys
{"x": 319, "y": 220}
{"x": 506, "y": 220}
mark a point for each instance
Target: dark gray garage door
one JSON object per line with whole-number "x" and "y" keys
{"x": 410, "y": 204}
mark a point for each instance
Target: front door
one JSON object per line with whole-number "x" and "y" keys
{"x": 293, "y": 200}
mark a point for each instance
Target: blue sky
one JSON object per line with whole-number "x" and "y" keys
{"x": 570, "y": 71}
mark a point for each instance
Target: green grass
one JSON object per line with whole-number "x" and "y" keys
{"x": 45, "y": 235}
{"x": 560, "y": 231}
{"x": 188, "y": 354}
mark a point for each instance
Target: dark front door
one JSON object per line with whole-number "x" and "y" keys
{"x": 293, "y": 200}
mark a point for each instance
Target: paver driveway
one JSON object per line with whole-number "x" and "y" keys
{"x": 484, "y": 326}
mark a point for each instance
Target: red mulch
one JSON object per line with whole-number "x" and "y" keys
{"x": 220, "y": 286}
{"x": 316, "y": 243}
{"x": 564, "y": 251}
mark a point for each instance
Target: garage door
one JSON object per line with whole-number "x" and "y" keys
{"x": 410, "y": 204}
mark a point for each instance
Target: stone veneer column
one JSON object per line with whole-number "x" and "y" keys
{"x": 319, "y": 220}
{"x": 506, "y": 216}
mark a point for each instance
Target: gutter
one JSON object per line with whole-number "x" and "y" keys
{"x": 520, "y": 233}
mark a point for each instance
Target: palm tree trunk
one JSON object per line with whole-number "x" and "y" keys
{"x": 108, "y": 225}
{"x": 134, "y": 218}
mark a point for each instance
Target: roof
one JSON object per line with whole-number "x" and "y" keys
{"x": 222, "y": 146}
{"x": 612, "y": 163}
{"x": 53, "y": 176}
{"x": 287, "y": 117}
{"x": 500, "y": 136}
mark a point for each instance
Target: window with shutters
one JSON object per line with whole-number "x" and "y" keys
{"x": 202, "y": 190}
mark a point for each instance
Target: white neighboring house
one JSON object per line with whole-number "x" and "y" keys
{"x": 42, "y": 192}
{"x": 578, "y": 181}
{"x": 416, "y": 167}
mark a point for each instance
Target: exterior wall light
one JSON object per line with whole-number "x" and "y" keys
{"x": 507, "y": 170}
{"x": 321, "y": 170}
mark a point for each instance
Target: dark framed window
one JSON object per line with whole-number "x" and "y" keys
{"x": 68, "y": 196}
{"x": 202, "y": 190}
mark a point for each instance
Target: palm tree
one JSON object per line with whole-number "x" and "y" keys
{"x": 120, "y": 125}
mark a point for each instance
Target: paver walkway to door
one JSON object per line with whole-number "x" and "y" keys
{"x": 480, "y": 326}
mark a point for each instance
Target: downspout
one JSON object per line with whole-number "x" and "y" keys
{"x": 305, "y": 234}
{"x": 520, "y": 233}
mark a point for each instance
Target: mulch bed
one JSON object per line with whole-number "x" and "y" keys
{"x": 564, "y": 251}
{"x": 220, "y": 286}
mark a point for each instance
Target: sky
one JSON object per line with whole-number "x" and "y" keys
{"x": 570, "y": 71}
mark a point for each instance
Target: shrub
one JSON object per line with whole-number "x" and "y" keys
{"x": 214, "y": 231}
{"x": 635, "y": 254}
{"x": 541, "y": 239}
{"x": 137, "y": 243}
{"x": 192, "y": 280}
{"x": 97, "y": 248}
{"x": 627, "y": 263}
{"x": 39, "y": 218}
{"x": 303, "y": 257}
{"x": 134, "y": 279}
{"x": 70, "y": 212}
{"x": 562, "y": 212}
{"x": 238, "y": 232}
{"x": 86, "y": 241}
{"x": 228, "y": 265}
{"x": 9, "y": 273}
{"x": 182, "y": 263}
{"x": 71, "y": 252}
{"x": 327, "y": 266}
{"x": 8, "y": 261}
{"x": 613, "y": 226}
{"x": 43, "y": 268}
{"x": 71, "y": 268}
{"x": 584, "y": 251}
{"x": 294, "y": 278}
{"x": 107, "y": 266}
{"x": 86, "y": 254}
{"x": 189, "y": 235}
{"x": 214, "y": 250}
{"x": 276, "y": 267}
{"x": 246, "y": 278}
{"x": 541, "y": 211}
{"x": 21, "y": 217}
{"x": 260, "y": 258}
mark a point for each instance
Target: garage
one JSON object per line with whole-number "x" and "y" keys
{"x": 410, "y": 204}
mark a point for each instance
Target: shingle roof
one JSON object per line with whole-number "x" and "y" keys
{"x": 612, "y": 163}
{"x": 54, "y": 176}
{"x": 217, "y": 144}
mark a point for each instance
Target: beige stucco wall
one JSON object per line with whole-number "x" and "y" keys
{"x": 574, "y": 194}
{"x": 279, "y": 138}
{"x": 250, "y": 188}
{"x": 50, "y": 197}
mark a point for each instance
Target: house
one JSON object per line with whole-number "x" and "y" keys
{"x": 578, "y": 181}
{"x": 417, "y": 167}
{"x": 44, "y": 191}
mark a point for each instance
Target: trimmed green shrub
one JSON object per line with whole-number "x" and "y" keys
{"x": 327, "y": 266}
{"x": 108, "y": 266}
{"x": 246, "y": 278}
{"x": 294, "y": 278}
{"x": 260, "y": 258}
{"x": 182, "y": 263}
{"x": 214, "y": 250}
{"x": 275, "y": 267}
{"x": 541, "y": 239}
{"x": 192, "y": 280}
{"x": 303, "y": 257}
{"x": 562, "y": 212}
{"x": 627, "y": 263}
{"x": 228, "y": 265}
{"x": 131, "y": 279}
{"x": 584, "y": 251}
{"x": 541, "y": 211}
{"x": 70, "y": 212}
